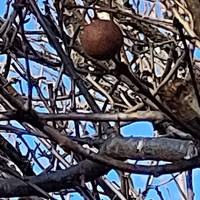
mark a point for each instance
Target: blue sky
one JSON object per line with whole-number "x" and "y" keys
{"x": 169, "y": 190}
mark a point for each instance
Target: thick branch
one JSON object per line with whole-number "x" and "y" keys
{"x": 71, "y": 177}
{"x": 140, "y": 115}
{"x": 149, "y": 148}
{"x": 53, "y": 181}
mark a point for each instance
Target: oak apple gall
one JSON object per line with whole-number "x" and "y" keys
{"x": 101, "y": 39}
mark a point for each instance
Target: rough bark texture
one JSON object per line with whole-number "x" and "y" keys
{"x": 193, "y": 6}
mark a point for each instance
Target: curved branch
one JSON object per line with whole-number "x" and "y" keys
{"x": 71, "y": 177}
